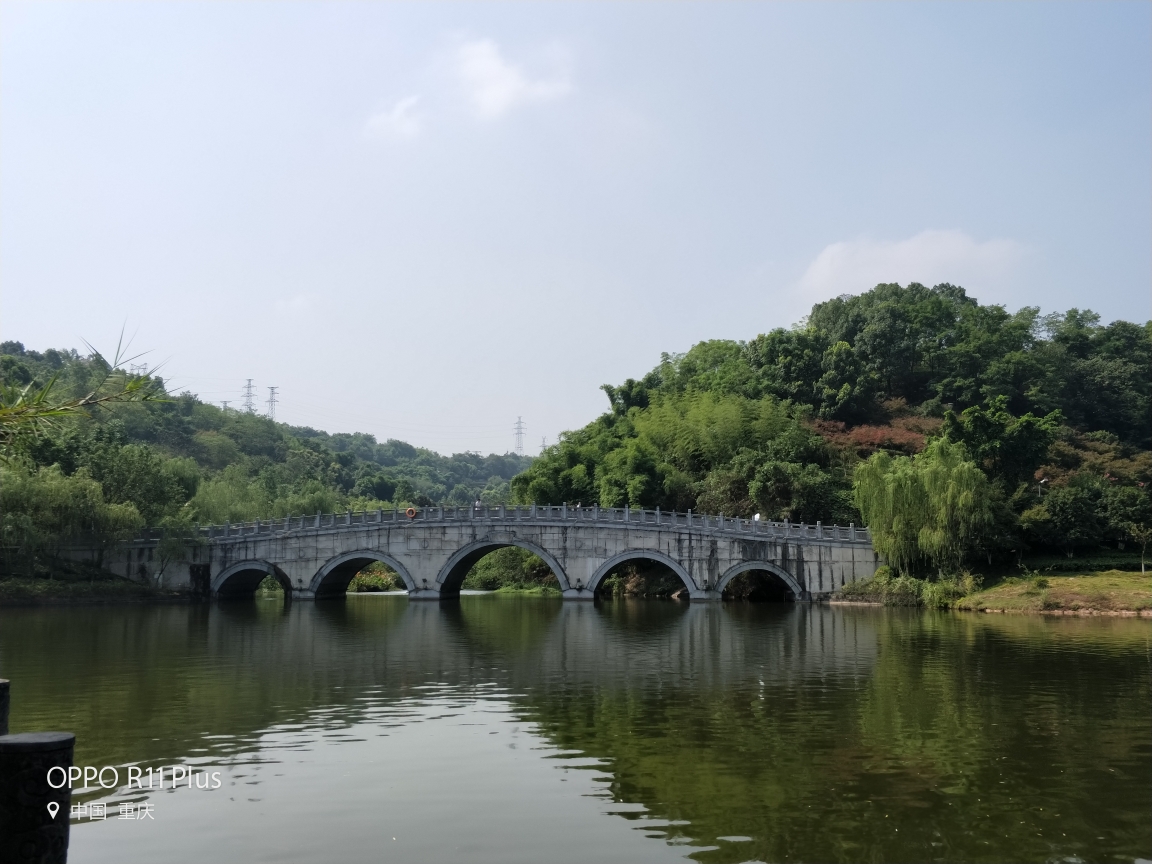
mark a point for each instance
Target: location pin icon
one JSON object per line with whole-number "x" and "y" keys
{"x": 53, "y": 809}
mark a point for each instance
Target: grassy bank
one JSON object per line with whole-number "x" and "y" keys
{"x": 1090, "y": 590}
{"x": 530, "y": 590}
{"x": 1108, "y": 592}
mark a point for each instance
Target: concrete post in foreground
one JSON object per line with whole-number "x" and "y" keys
{"x": 5, "y": 701}
{"x": 29, "y": 830}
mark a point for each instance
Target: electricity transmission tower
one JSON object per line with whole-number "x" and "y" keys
{"x": 543, "y": 443}
{"x": 224, "y": 403}
{"x": 272, "y": 402}
{"x": 520, "y": 427}
{"x": 249, "y": 397}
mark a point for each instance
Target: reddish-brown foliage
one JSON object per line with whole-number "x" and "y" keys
{"x": 906, "y": 435}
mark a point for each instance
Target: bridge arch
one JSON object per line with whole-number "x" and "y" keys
{"x": 242, "y": 578}
{"x": 332, "y": 579}
{"x": 633, "y": 554}
{"x": 452, "y": 574}
{"x": 775, "y": 569}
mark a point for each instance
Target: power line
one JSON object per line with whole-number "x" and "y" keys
{"x": 249, "y": 397}
{"x": 272, "y": 402}
{"x": 520, "y": 427}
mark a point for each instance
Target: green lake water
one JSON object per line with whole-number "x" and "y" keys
{"x": 524, "y": 729}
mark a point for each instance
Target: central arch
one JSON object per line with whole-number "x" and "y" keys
{"x": 243, "y": 577}
{"x": 775, "y": 569}
{"x": 645, "y": 554}
{"x": 332, "y": 579}
{"x": 452, "y": 574}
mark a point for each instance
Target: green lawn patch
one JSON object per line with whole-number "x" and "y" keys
{"x": 1106, "y": 592}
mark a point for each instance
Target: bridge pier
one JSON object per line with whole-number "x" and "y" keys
{"x": 705, "y": 594}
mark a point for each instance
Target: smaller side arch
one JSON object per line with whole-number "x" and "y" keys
{"x": 461, "y": 561}
{"x": 647, "y": 554}
{"x": 242, "y": 578}
{"x": 775, "y": 569}
{"x": 334, "y": 576}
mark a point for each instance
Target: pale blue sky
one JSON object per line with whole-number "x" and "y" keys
{"x": 424, "y": 220}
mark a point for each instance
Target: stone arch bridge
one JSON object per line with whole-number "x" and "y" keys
{"x": 433, "y": 548}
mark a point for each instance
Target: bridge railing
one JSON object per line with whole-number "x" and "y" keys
{"x": 563, "y": 513}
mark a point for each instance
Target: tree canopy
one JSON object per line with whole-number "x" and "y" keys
{"x": 1038, "y": 417}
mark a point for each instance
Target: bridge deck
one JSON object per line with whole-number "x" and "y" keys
{"x": 538, "y": 514}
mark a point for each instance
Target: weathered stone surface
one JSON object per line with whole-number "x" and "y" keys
{"x": 433, "y": 549}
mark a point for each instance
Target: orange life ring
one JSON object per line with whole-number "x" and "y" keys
{"x": 410, "y": 512}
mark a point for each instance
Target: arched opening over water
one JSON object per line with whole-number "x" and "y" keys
{"x": 334, "y": 577}
{"x": 641, "y": 573}
{"x": 242, "y": 579}
{"x": 757, "y": 583}
{"x": 523, "y": 565}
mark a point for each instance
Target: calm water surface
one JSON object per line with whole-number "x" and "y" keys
{"x": 515, "y": 729}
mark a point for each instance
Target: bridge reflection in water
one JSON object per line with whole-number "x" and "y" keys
{"x": 816, "y": 732}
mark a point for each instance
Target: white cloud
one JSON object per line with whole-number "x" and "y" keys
{"x": 495, "y": 86}
{"x": 930, "y": 257}
{"x": 400, "y": 121}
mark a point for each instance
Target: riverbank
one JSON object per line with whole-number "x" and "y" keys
{"x": 1112, "y": 592}
{"x": 60, "y": 592}
{"x": 1092, "y": 592}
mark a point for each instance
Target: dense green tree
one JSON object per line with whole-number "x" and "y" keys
{"x": 1010, "y": 449}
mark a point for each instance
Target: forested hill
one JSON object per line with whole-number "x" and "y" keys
{"x": 997, "y": 433}
{"x": 181, "y": 460}
{"x": 1055, "y": 411}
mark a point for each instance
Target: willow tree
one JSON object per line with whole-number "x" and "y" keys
{"x": 925, "y": 510}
